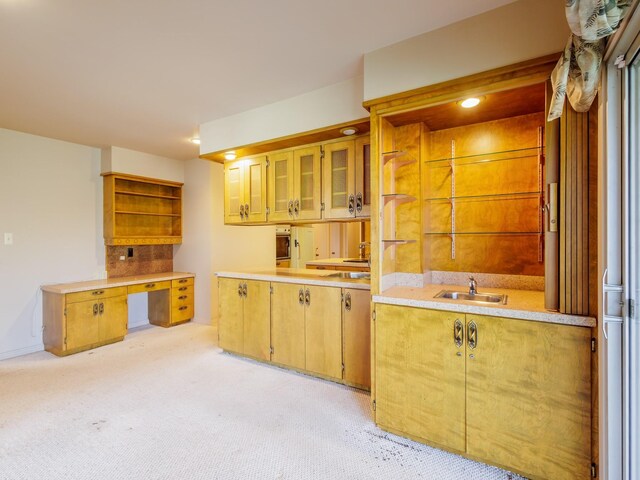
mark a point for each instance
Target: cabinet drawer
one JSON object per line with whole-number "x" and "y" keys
{"x": 182, "y": 282}
{"x": 180, "y": 313}
{"x": 182, "y": 291}
{"x": 95, "y": 294}
{"x": 149, "y": 287}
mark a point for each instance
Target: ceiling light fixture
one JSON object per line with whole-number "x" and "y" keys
{"x": 349, "y": 131}
{"x": 470, "y": 102}
{"x": 195, "y": 140}
{"x": 229, "y": 155}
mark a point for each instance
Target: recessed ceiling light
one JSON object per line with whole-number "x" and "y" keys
{"x": 229, "y": 155}
{"x": 470, "y": 102}
{"x": 349, "y": 131}
{"x": 195, "y": 140}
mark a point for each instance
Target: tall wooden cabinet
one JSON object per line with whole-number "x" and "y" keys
{"x": 141, "y": 211}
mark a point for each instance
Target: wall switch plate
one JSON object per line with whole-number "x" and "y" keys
{"x": 8, "y": 238}
{"x": 122, "y": 257}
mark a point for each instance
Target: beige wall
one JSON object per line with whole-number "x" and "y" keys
{"x": 516, "y": 32}
{"x": 122, "y": 160}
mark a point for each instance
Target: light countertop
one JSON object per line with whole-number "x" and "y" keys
{"x": 322, "y": 278}
{"x": 521, "y": 304}
{"x": 337, "y": 262}
{"x": 63, "y": 288}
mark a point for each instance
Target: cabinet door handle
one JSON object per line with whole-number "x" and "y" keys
{"x": 182, "y": 297}
{"x": 472, "y": 334}
{"x": 101, "y": 308}
{"x": 307, "y": 297}
{"x": 458, "y": 333}
{"x": 182, "y": 289}
{"x": 347, "y": 302}
{"x": 244, "y": 290}
{"x": 290, "y": 208}
{"x": 352, "y": 201}
{"x": 301, "y": 297}
{"x": 184, "y": 307}
{"x": 97, "y": 292}
{"x": 359, "y": 202}
{"x": 241, "y": 211}
{"x": 296, "y": 207}
{"x": 240, "y": 289}
{"x": 150, "y": 285}
{"x": 246, "y": 210}
{"x": 95, "y": 309}
{"x": 184, "y": 280}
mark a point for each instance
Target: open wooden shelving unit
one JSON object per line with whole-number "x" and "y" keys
{"x": 141, "y": 210}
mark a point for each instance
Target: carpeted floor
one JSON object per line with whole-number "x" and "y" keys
{"x": 168, "y": 404}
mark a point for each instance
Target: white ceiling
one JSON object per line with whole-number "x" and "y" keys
{"x": 143, "y": 74}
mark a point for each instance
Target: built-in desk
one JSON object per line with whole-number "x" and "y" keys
{"x": 83, "y": 315}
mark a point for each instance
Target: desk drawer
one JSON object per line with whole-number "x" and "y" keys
{"x": 149, "y": 287}
{"x": 182, "y": 291}
{"x": 96, "y": 294}
{"x": 182, "y": 282}
{"x": 180, "y": 313}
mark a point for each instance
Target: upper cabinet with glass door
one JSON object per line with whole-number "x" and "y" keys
{"x": 346, "y": 186}
{"x": 294, "y": 185}
{"x": 245, "y": 195}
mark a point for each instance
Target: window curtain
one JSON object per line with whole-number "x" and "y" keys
{"x": 577, "y": 72}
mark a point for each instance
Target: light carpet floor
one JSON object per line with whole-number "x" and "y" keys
{"x": 169, "y": 404}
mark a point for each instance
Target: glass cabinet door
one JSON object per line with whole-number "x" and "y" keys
{"x": 255, "y": 189}
{"x": 363, "y": 177}
{"x": 339, "y": 183}
{"x": 281, "y": 193}
{"x": 307, "y": 201}
{"x": 234, "y": 192}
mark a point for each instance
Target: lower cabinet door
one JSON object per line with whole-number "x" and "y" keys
{"x": 420, "y": 374}
{"x": 82, "y": 324}
{"x": 113, "y": 318}
{"x": 287, "y": 325}
{"x": 256, "y": 326}
{"x": 356, "y": 320}
{"x": 529, "y": 396}
{"x": 323, "y": 324}
{"x": 230, "y": 326}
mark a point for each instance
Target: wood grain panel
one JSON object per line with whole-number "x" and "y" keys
{"x": 357, "y": 338}
{"x": 257, "y": 322}
{"x": 529, "y": 397}
{"x": 420, "y": 375}
{"x": 287, "y": 325}
{"x": 323, "y": 331}
{"x": 114, "y": 318}
{"x": 230, "y": 325}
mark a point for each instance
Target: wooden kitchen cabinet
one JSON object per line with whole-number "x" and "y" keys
{"x": 420, "y": 375}
{"x": 141, "y": 211}
{"x": 245, "y": 192}
{"x": 288, "y": 325}
{"x": 323, "y": 330}
{"x": 513, "y": 393}
{"x": 529, "y": 397}
{"x": 294, "y": 184}
{"x": 346, "y": 179}
{"x": 83, "y": 320}
{"x": 244, "y": 317}
{"x": 356, "y": 337}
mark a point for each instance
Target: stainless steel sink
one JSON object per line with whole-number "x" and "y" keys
{"x": 360, "y": 275}
{"x": 356, "y": 260}
{"x": 478, "y": 297}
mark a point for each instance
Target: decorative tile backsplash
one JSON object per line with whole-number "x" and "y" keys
{"x": 145, "y": 259}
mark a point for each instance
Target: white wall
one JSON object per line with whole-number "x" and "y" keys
{"x": 51, "y": 200}
{"x": 320, "y": 108}
{"x": 516, "y": 32}
{"x": 122, "y": 160}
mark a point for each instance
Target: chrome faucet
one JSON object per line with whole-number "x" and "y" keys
{"x": 473, "y": 286}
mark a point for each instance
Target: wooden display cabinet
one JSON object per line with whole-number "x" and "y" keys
{"x": 141, "y": 211}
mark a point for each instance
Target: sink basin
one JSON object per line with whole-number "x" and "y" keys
{"x": 478, "y": 297}
{"x": 356, "y": 260}
{"x": 361, "y": 275}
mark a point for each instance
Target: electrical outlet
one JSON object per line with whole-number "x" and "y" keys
{"x": 122, "y": 257}
{"x": 8, "y": 238}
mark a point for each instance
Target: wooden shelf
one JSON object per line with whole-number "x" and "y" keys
{"x": 399, "y": 157}
{"x": 490, "y": 156}
{"x": 484, "y": 233}
{"x": 148, "y": 213}
{"x": 397, "y": 197}
{"x": 150, "y": 195}
{"x": 393, "y": 242}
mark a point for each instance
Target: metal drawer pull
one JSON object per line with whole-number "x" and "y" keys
{"x": 347, "y": 302}
{"x": 150, "y": 285}
{"x": 182, "y": 297}
{"x": 184, "y": 280}
{"x": 290, "y": 208}
{"x": 472, "y": 334}
{"x": 97, "y": 292}
{"x": 359, "y": 202}
{"x": 95, "y": 309}
{"x": 301, "y": 297}
{"x": 352, "y": 201}
{"x": 244, "y": 290}
{"x": 307, "y": 297}
{"x": 296, "y": 207}
{"x": 246, "y": 210}
{"x": 184, "y": 307}
{"x": 182, "y": 289}
{"x": 239, "y": 289}
{"x": 101, "y": 308}
{"x": 458, "y": 333}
